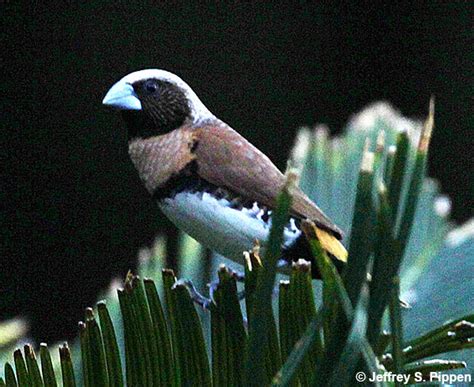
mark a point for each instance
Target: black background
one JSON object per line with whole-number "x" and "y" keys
{"x": 74, "y": 213}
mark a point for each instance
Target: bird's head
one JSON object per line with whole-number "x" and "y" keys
{"x": 155, "y": 102}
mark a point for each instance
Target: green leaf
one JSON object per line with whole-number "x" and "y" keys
{"x": 47, "y": 369}
{"x": 21, "y": 371}
{"x": 398, "y": 172}
{"x": 67, "y": 369}
{"x": 188, "y": 340}
{"x": 296, "y": 310}
{"x": 260, "y": 315}
{"x": 98, "y": 364}
{"x": 442, "y": 332}
{"x": 288, "y": 373}
{"x": 416, "y": 182}
{"x": 10, "y": 378}
{"x": 229, "y": 339}
{"x": 133, "y": 367}
{"x": 85, "y": 354}
{"x": 134, "y": 364}
{"x": 379, "y": 156}
{"x": 396, "y": 325}
{"x": 114, "y": 367}
{"x": 145, "y": 331}
{"x": 162, "y": 335}
{"x": 285, "y": 320}
{"x": 253, "y": 271}
{"x": 337, "y": 341}
{"x": 453, "y": 336}
{"x": 322, "y": 183}
{"x": 361, "y": 242}
{"x": 386, "y": 263}
{"x": 337, "y": 320}
{"x": 388, "y": 167}
{"x": 333, "y": 326}
{"x": 343, "y": 372}
{"x": 32, "y": 365}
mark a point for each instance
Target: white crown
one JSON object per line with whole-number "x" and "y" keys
{"x": 199, "y": 111}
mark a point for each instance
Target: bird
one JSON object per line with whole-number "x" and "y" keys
{"x": 210, "y": 181}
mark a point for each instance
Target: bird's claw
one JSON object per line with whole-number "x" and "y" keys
{"x": 212, "y": 288}
{"x": 196, "y": 296}
{"x": 237, "y": 275}
{"x": 205, "y": 302}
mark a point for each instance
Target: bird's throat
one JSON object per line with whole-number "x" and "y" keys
{"x": 139, "y": 126}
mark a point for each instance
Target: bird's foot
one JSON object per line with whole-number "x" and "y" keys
{"x": 212, "y": 288}
{"x": 239, "y": 276}
{"x": 201, "y": 300}
{"x": 205, "y": 302}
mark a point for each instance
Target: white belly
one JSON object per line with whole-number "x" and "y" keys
{"x": 216, "y": 225}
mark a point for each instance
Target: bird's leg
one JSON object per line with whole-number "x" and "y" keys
{"x": 203, "y": 301}
{"x": 212, "y": 288}
{"x": 239, "y": 276}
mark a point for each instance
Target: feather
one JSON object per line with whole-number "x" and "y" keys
{"x": 226, "y": 159}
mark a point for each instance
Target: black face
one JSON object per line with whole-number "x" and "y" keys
{"x": 164, "y": 108}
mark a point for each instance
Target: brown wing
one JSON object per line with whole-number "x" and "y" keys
{"x": 226, "y": 159}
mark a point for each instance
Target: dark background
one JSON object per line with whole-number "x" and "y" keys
{"x": 74, "y": 213}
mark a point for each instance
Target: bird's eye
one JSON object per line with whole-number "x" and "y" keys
{"x": 151, "y": 87}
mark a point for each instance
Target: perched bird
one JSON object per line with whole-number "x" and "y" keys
{"x": 207, "y": 179}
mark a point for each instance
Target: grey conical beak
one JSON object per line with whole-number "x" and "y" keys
{"x": 122, "y": 96}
